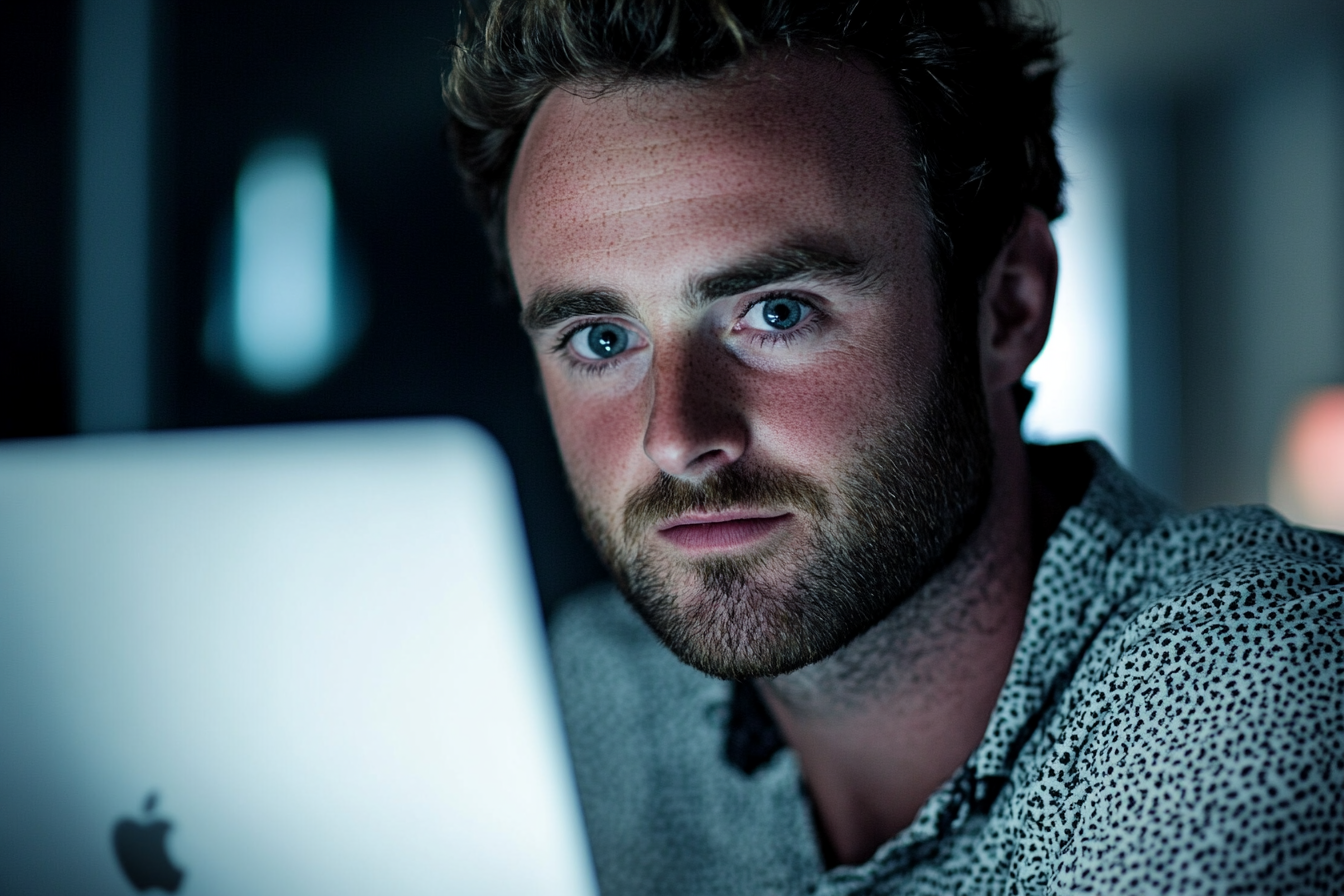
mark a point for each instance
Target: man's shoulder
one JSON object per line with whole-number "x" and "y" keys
{"x": 1144, "y": 590}
{"x": 1228, "y": 566}
{"x": 1210, "y": 717}
{"x": 1232, "y": 602}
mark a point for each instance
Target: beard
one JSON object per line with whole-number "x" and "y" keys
{"x": 900, "y": 512}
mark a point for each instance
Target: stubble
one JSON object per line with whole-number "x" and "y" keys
{"x": 901, "y": 510}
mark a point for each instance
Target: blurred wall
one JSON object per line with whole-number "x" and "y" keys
{"x": 1230, "y": 116}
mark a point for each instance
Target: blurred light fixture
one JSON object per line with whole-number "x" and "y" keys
{"x": 1306, "y": 482}
{"x": 1081, "y": 377}
{"x": 285, "y": 309}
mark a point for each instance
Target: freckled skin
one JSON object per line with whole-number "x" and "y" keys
{"x": 638, "y": 190}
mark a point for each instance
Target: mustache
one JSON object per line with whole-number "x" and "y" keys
{"x": 724, "y": 489}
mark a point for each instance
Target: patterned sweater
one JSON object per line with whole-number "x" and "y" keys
{"x": 1173, "y": 721}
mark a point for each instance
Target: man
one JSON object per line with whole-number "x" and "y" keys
{"x": 784, "y": 265}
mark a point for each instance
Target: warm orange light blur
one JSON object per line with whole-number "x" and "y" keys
{"x": 1307, "y": 480}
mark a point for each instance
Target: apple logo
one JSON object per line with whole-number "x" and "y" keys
{"x": 142, "y": 852}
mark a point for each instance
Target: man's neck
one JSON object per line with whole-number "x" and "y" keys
{"x": 881, "y": 724}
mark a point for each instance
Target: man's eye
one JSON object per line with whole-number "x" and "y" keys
{"x": 600, "y": 341}
{"x": 776, "y": 313}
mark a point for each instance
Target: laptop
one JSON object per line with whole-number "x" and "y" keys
{"x": 288, "y": 660}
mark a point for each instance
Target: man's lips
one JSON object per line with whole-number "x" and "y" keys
{"x": 717, "y": 531}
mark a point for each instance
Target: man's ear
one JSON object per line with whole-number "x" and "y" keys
{"x": 1017, "y": 301}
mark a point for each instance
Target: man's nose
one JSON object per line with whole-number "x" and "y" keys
{"x": 696, "y": 422}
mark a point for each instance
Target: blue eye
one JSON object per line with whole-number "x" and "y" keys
{"x": 600, "y": 341}
{"x": 777, "y": 313}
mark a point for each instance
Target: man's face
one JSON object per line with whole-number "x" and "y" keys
{"x": 728, "y": 288}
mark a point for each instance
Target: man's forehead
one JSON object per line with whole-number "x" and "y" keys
{"x": 793, "y": 143}
{"x": 783, "y": 108}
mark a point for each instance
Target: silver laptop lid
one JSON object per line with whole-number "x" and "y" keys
{"x": 308, "y": 658}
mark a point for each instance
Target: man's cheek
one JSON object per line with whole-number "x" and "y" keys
{"x": 811, "y": 419}
{"x": 601, "y": 441}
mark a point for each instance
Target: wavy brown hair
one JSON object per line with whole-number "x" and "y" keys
{"x": 975, "y": 79}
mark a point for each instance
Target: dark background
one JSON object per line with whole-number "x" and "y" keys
{"x": 36, "y": 71}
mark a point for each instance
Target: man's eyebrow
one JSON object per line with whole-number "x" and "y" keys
{"x": 777, "y": 266}
{"x": 552, "y": 306}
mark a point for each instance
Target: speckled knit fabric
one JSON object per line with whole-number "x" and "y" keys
{"x": 1173, "y": 721}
